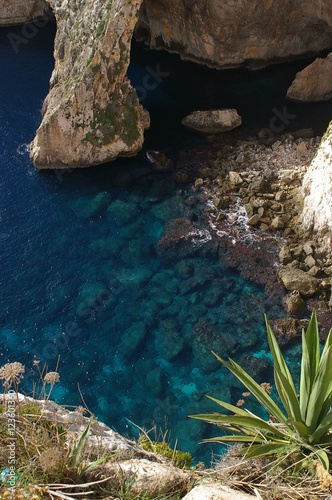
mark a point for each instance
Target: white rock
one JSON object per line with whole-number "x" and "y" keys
{"x": 146, "y": 476}
{"x": 216, "y": 492}
{"x": 317, "y": 192}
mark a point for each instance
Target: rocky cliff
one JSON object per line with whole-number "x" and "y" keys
{"x": 233, "y": 32}
{"x": 92, "y": 114}
{"x": 317, "y": 192}
{"x": 314, "y": 83}
{"x": 21, "y": 11}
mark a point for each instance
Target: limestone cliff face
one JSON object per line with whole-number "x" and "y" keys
{"x": 232, "y": 32}
{"x": 21, "y": 11}
{"x": 314, "y": 83}
{"x": 92, "y": 114}
{"x": 317, "y": 191}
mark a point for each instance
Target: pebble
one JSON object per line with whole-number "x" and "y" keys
{"x": 277, "y": 223}
{"x": 254, "y": 220}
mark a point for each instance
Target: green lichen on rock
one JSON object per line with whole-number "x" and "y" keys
{"x": 93, "y": 114}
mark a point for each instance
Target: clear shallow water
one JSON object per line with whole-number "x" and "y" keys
{"x": 81, "y": 277}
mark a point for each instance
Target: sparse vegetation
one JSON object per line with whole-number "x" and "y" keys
{"x": 161, "y": 445}
{"x": 48, "y": 462}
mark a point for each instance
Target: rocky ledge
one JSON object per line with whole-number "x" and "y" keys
{"x": 145, "y": 473}
{"x": 92, "y": 114}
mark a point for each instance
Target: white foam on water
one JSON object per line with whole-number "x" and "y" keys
{"x": 23, "y": 149}
{"x": 200, "y": 236}
{"x": 237, "y": 218}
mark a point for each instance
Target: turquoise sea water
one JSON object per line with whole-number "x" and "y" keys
{"x": 81, "y": 275}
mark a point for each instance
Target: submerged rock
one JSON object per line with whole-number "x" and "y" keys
{"x": 159, "y": 161}
{"x": 313, "y": 83}
{"x": 206, "y": 338}
{"x": 168, "y": 341}
{"x": 92, "y": 114}
{"x": 181, "y": 239}
{"x": 212, "y": 121}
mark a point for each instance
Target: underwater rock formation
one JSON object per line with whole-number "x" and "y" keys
{"x": 92, "y": 114}
{"x": 317, "y": 191}
{"x": 230, "y": 33}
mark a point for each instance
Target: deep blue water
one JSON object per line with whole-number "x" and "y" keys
{"x": 80, "y": 275}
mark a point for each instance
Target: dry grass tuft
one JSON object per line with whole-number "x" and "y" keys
{"x": 274, "y": 480}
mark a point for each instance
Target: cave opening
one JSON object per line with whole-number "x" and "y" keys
{"x": 170, "y": 88}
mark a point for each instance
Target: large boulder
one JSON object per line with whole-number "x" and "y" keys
{"x": 233, "y": 32}
{"x": 296, "y": 279}
{"x": 212, "y": 121}
{"x": 313, "y": 83}
{"x": 92, "y": 114}
{"x": 21, "y": 11}
{"x": 317, "y": 192}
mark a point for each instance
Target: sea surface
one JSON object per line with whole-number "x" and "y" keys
{"x": 82, "y": 283}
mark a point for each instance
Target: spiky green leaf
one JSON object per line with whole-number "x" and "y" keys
{"x": 227, "y": 406}
{"x": 76, "y": 452}
{"x": 312, "y": 339}
{"x": 288, "y": 397}
{"x": 235, "y": 439}
{"x": 301, "y": 428}
{"x": 327, "y": 344}
{"x": 255, "y": 424}
{"x": 254, "y": 388}
{"x": 278, "y": 360}
{"x": 321, "y": 430}
{"x": 323, "y": 458}
{"x": 259, "y": 450}
{"x": 305, "y": 381}
{"x": 319, "y": 390}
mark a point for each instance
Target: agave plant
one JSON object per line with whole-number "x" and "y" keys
{"x": 303, "y": 426}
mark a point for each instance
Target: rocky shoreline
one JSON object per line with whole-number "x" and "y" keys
{"x": 253, "y": 199}
{"x": 257, "y": 191}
